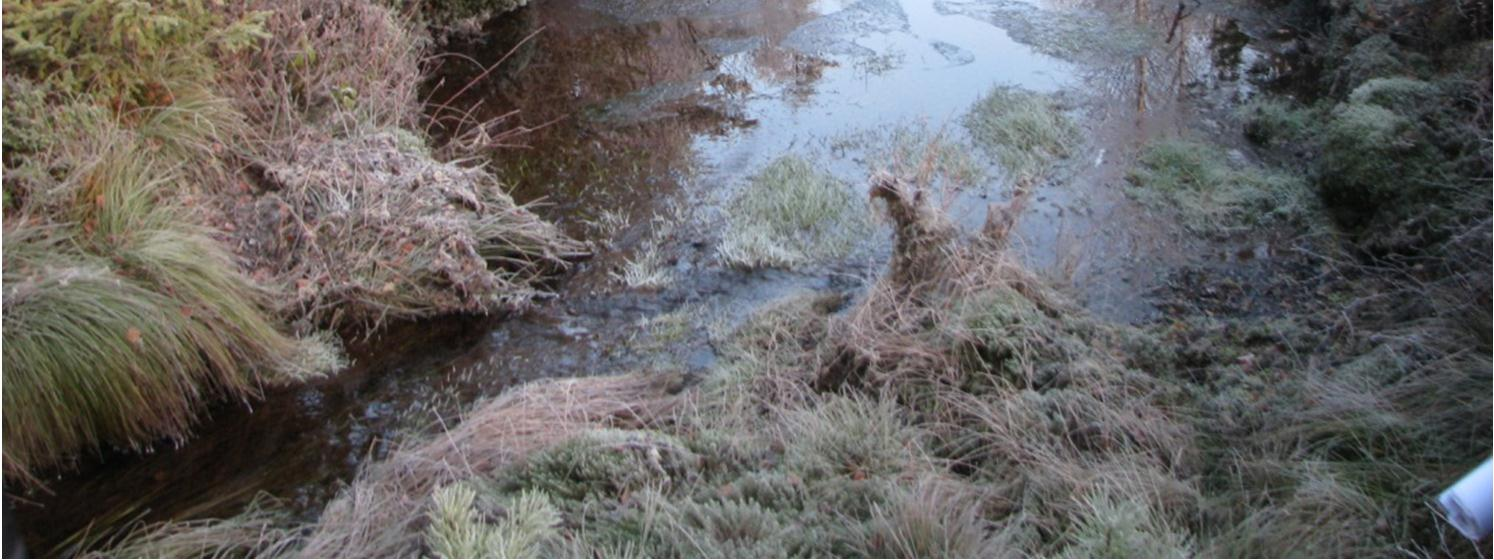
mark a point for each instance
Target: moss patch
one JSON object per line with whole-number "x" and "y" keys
{"x": 1215, "y": 196}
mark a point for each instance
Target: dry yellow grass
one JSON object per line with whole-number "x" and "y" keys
{"x": 380, "y": 513}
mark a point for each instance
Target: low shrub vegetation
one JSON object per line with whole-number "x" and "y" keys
{"x": 1395, "y": 142}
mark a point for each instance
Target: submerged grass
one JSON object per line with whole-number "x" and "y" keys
{"x": 791, "y": 214}
{"x": 1025, "y": 131}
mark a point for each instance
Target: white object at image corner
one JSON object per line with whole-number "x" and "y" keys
{"x": 1467, "y": 502}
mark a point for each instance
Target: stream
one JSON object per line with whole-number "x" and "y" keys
{"x": 648, "y": 116}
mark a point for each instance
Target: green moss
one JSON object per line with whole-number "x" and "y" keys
{"x": 1396, "y": 93}
{"x": 25, "y": 116}
{"x": 1214, "y": 196}
{"x": 1366, "y": 149}
{"x": 1402, "y": 165}
{"x": 125, "y": 51}
{"x": 1375, "y": 57}
{"x": 774, "y": 489}
{"x": 1272, "y": 121}
{"x": 1008, "y": 333}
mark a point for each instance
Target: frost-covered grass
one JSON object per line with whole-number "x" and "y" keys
{"x": 960, "y": 411}
{"x": 459, "y": 529}
{"x": 645, "y": 269}
{"x": 1026, "y": 132}
{"x": 791, "y": 214}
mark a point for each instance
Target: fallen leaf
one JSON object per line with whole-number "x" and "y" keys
{"x": 133, "y": 336}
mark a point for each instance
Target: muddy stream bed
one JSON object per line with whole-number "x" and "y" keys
{"x": 655, "y": 113}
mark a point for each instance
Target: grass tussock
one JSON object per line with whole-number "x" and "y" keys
{"x": 1215, "y": 196}
{"x": 933, "y": 159}
{"x": 457, "y": 529}
{"x": 260, "y": 531}
{"x": 369, "y": 229}
{"x": 381, "y": 513}
{"x": 1271, "y": 121}
{"x": 1026, "y": 132}
{"x": 649, "y": 267}
{"x": 141, "y": 137}
{"x": 934, "y": 518}
{"x": 791, "y": 214}
{"x": 125, "y": 316}
{"x": 1121, "y": 527}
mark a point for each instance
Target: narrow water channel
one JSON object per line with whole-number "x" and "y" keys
{"x": 648, "y": 116}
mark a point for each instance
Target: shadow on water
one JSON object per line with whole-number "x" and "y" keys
{"x": 647, "y": 116}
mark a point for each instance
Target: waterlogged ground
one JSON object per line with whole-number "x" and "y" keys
{"x": 650, "y": 116}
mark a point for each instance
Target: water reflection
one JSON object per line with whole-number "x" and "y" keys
{"x": 618, "y": 91}
{"x": 1189, "y": 51}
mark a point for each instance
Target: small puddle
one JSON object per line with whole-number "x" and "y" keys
{"x": 647, "y": 116}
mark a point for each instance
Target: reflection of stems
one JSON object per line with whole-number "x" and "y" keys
{"x": 490, "y": 69}
{"x": 1182, "y": 63}
{"x": 1141, "y": 84}
{"x": 1178, "y": 16}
